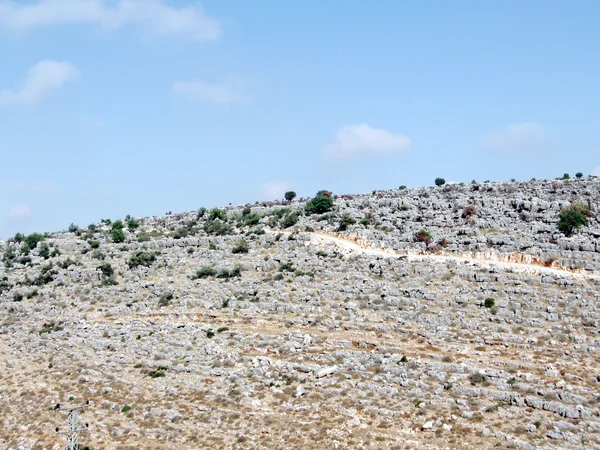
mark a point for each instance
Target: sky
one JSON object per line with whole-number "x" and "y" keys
{"x": 116, "y": 107}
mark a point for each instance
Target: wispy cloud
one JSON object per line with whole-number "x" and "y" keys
{"x": 354, "y": 140}
{"x": 230, "y": 91}
{"x": 34, "y": 188}
{"x": 20, "y": 212}
{"x": 517, "y": 137}
{"x": 153, "y": 17}
{"x": 275, "y": 190}
{"x": 43, "y": 79}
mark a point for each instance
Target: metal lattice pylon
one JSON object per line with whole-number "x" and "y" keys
{"x": 74, "y": 430}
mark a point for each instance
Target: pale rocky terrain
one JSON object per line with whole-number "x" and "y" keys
{"x": 323, "y": 338}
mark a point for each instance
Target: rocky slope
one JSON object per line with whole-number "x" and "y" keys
{"x": 249, "y": 327}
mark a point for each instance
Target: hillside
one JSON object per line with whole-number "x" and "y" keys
{"x": 443, "y": 317}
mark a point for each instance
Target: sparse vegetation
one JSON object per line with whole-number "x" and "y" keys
{"x": 440, "y": 181}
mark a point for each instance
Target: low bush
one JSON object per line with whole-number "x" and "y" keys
{"x": 241, "y": 246}
{"x": 289, "y": 220}
{"x": 423, "y": 236}
{"x": 345, "y": 222}
{"x": 230, "y": 273}
{"x": 205, "y": 272}
{"x": 141, "y": 258}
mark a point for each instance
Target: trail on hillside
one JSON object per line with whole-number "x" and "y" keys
{"x": 321, "y": 239}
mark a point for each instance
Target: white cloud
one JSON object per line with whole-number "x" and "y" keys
{"x": 517, "y": 137}
{"x": 275, "y": 190}
{"x": 229, "y": 91}
{"x": 358, "y": 139}
{"x": 43, "y": 79}
{"x": 20, "y": 212}
{"x": 596, "y": 171}
{"x": 154, "y": 17}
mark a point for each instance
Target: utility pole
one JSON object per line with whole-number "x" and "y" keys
{"x": 74, "y": 430}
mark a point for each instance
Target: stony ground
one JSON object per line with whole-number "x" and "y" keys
{"x": 317, "y": 336}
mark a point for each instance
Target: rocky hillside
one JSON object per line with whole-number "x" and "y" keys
{"x": 447, "y": 317}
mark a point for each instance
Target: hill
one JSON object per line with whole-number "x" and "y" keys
{"x": 458, "y": 316}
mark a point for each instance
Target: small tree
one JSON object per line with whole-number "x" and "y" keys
{"x": 320, "y": 204}
{"x": 117, "y": 235}
{"x": 133, "y": 224}
{"x": 290, "y": 195}
{"x": 73, "y": 228}
{"x": 440, "y": 181}
{"x": 572, "y": 218}
{"x": 579, "y": 175}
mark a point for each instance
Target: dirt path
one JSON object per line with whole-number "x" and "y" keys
{"x": 350, "y": 246}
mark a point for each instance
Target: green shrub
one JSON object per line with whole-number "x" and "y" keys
{"x": 478, "y": 378}
{"x": 180, "y": 233}
{"x": 5, "y": 286}
{"x": 205, "y": 272}
{"x": 201, "y": 212}
{"x": 489, "y": 302}
{"x": 440, "y": 181}
{"x": 133, "y": 224}
{"x": 143, "y": 237}
{"x": 51, "y": 327}
{"x": 18, "y": 238}
{"x": 94, "y": 244}
{"x": 346, "y": 221}
{"x": 290, "y": 195}
{"x": 230, "y": 273}
{"x": 216, "y": 213}
{"x": 402, "y": 187}
{"x": 117, "y": 235}
{"x": 158, "y": 373}
{"x": 106, "y": 269}
{"x": 572, "y": 218}
{"x": 289, "y": 220}
{"x": 217, "y": 227}
{"x": 117, "y": 225}
{"x": 46, "y": 275}
{"x": 73, "y": 228}
{"x": 31, "y": 241}
{"x": 17, "y": 297}
{"x": 165, "y": 299}
{"x": 579, "y": 175}
{"x": 279, "y": 213}
{"x": 44, "y": 250}
{"x": 67, "y": 263}
{"x": 364, "y": 222}
{"x": 240, "y": 247}
{"x": 141, "y": 258}
{"x": 252, "y": 219}
{"x": 319, "y": 204}
{"x": 126, "y": 408}
{"x": 423, "y": 236}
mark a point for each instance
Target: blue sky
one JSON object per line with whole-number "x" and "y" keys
{"x": 115, "y": 107}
